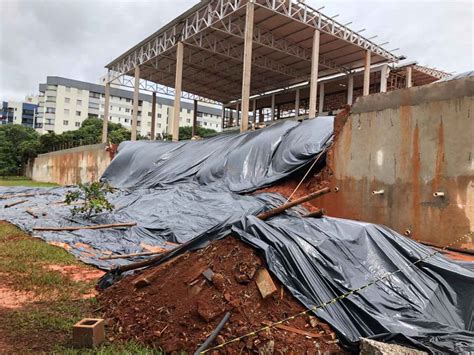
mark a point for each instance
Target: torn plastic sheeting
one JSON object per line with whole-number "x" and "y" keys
{"x": 243, "y": 162}
{"x": 430, "y": 304}
{"x": 175, "y": 213}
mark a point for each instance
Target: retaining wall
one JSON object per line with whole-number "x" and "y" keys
{"x": 409, "y": 143}
{"x": 71, "y": 166}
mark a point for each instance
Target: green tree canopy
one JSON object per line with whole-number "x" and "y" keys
{"x": 17, "y": 144}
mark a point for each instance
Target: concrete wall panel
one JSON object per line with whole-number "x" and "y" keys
{"x": 409, "y": 143}
{"x": 71, "y": 166}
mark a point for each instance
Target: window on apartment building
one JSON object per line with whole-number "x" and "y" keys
{"x": 188, "y": 120}
{"x": 139, "y": 113}
{"x": 140, "y": 102}
{"x": 65, "y": 122}
{"x": 160, "y": 105}
{"x": 128, "y": 100}
{"x": 205, "y": 123}
{"x": 50, "y": 110}
{"x": 78, "y": 113}
{"x": 66, "y": 111}
{"x": 79, "y": 102}
{"x": 159, "y": 125}
{"x": 111, "y": 107}
{"x": 78, "y": 124}
{"x": 68, "y": 89}
{"x": 127, "y": 110}
{"x": 67, "y": 100}
{"x": 95, "y": 95}
{"x": 159, "y": 115}
{"x": 49, "y": 121}
{"x": 126, "y": 120}
{"x": 188, "y": 110}
{"x": 149, "y": 114}
{"x": 50, "y": 98}
{"x": 120, "y": 109}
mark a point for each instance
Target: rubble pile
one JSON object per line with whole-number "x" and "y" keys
{"x": 190, "y": 294}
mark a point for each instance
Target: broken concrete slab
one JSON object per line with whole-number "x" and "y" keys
{"x": 372, "y": 347}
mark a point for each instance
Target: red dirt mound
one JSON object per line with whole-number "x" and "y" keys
{"x": 179, "y": 310}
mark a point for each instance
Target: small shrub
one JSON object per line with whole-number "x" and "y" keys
{"x": 93, "y": 198}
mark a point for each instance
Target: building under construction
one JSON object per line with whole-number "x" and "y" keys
{"x": 261, "y": 60}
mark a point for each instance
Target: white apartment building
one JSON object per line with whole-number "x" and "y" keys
{"x": 65, "y": 103}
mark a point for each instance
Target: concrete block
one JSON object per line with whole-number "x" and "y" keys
{"x": 372, "y": 347}
{"x": 88, "y": 333}
{"x": 265, "y": 284}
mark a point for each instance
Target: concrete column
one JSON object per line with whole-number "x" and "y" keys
{"x": 297, "y": 103}
{"x": 408, "y": 78}
{"x": 153, "y": 116}
{"x": 278, "y": 112}
{"x": 365, "y": 91}
{"x": 135, "y": 104}
{"x": 222, "y": 117}
{"x": 231, "y": 118}
{"x": 105, "y": 122}
{"x": 247, "y": 66}
{"x": 321, "y": 98}
{"x": 273, "y": 108}
{"x": 260, "y": 115}
{"x": 177, "y": 91}
{"x": 195, "y": 113}
{"x": 313, "y": 88}
{"x": 237, "y": 114}
{"x": 254, "y": 111}
{"x": 383, "y": 78}
{"x": 350, "y": 89}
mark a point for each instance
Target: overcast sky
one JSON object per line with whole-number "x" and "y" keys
{"x": 76, "y": 38}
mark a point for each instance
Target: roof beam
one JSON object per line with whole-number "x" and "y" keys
{"x": 214, "y": 44}
{"x": 235, "y": 27}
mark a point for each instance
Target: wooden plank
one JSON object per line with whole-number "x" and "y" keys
{"x": 74, "y": 228}
{"x": 8, "y": 205}
{"x": 295, "y": 330}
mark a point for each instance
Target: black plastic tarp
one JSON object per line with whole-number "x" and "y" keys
{"x": 242, "y": 162}
{"x": 429, "y": 304}
{"x": 188, "y": 191}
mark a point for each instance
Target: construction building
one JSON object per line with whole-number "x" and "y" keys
{"x": 245, "y": 54}
{"x": 24, "y": 113}
{"x": 64, "y": 103}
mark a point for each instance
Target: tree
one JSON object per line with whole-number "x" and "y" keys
{"x": 93, "y": 196}
{"x": 186, "y": 132}
{"x": 17, "y": 144}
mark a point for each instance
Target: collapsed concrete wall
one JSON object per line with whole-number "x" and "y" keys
{"x": 409, "y": 143}
{"x": 71, "y": 166}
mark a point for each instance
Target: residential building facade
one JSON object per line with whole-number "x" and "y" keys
{"x": 64, "y": 103}
{"x": 24, "y": 113}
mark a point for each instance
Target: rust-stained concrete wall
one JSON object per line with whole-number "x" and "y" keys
{"x": 409, "y": 143}
{"x": 71, "y": 166}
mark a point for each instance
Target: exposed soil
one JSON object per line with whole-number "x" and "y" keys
{"x": 314, "y": 181}
{"x": 181, "y": 308}
{"x": 77, "y": 273}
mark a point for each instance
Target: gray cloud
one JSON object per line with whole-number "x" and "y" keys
{"x": 76, "y": 38}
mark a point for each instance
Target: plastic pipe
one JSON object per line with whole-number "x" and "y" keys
{"x": 213, "y": 335}
{"x": 378, "y": 192}
{"x": 438, "y": 194}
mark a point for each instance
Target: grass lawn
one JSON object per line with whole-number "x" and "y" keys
{"x": 23, "y": 181}
{"x": 51, "y": 302}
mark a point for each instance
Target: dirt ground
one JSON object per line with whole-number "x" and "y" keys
{"x": 43, "y": 292}
{"x": 181, "y": 308}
